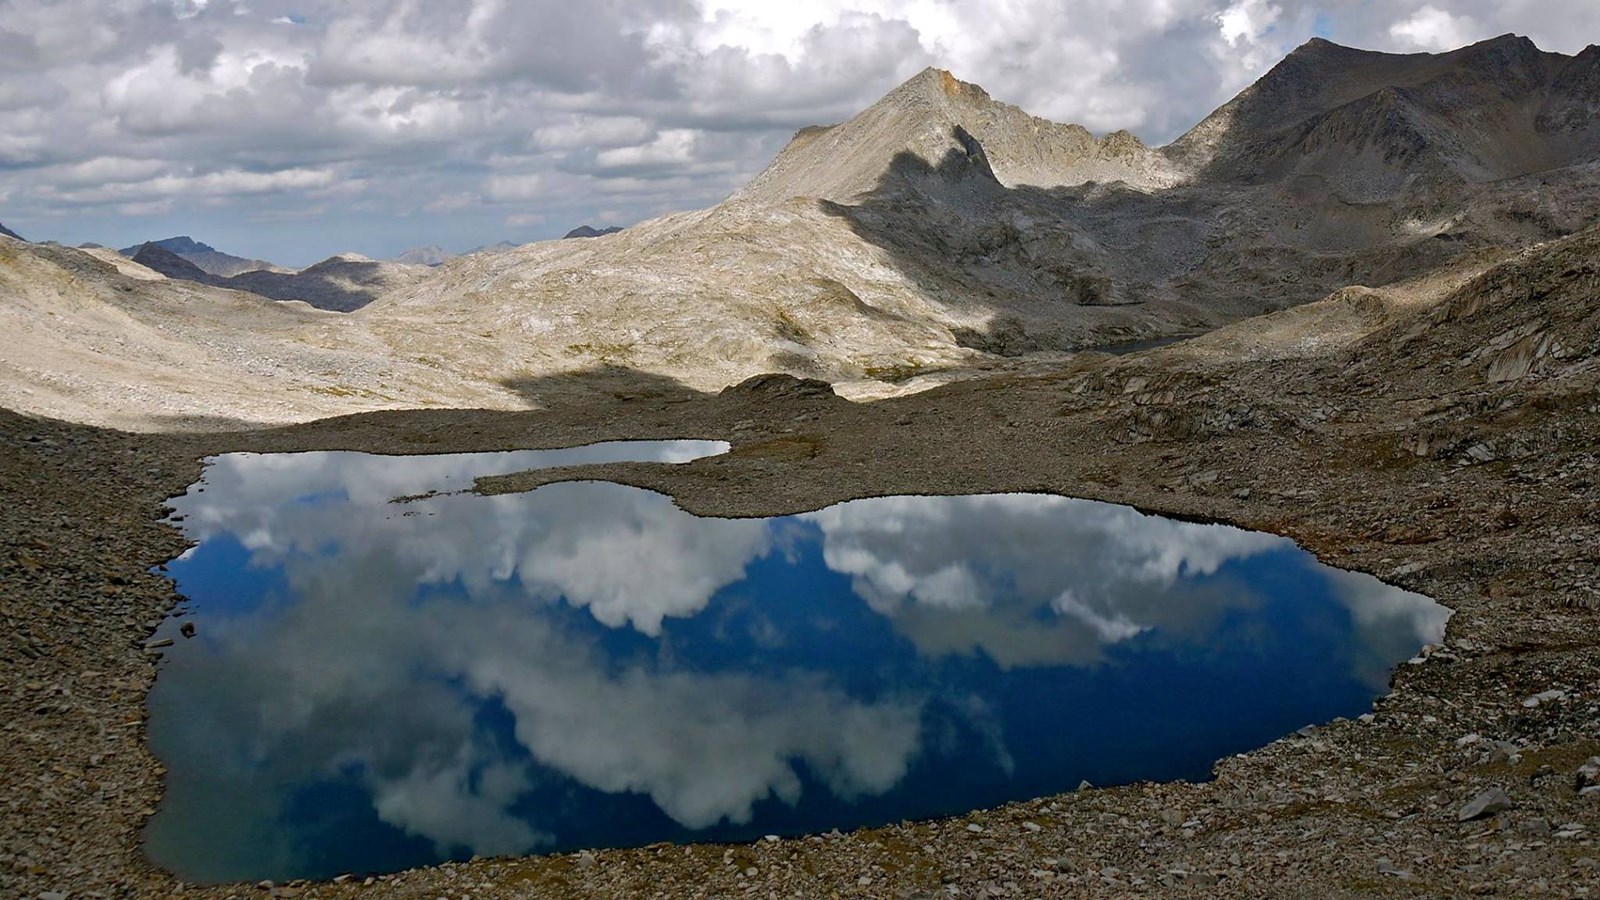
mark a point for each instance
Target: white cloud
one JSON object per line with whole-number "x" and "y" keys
{"x": 1433, "y": 29}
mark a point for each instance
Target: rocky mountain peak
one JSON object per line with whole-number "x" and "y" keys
{"x": 939, "y": 123}
{"x": 10, "y": 234}
{"x": 1375, "y": 120}
{"x": 155, "y": 257}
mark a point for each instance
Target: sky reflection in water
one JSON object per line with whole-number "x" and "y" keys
{"x": 375, "y": 685}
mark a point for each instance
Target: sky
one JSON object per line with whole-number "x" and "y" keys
{"x": 291, "y": 130}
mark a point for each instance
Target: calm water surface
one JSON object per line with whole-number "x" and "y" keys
{"x": 377, "y": 685}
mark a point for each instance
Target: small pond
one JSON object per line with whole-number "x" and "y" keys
{"x": 373, "y": 685}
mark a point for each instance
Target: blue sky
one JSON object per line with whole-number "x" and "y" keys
{"x": 293, "y": 130}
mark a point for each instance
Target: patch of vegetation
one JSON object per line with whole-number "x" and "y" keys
{"x": 790, "y": 329}
{"x": 895, "y": 372}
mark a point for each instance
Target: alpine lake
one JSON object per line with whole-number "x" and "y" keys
{"x": 375, "y": 668}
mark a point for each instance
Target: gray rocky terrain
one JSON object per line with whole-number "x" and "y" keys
{"x": 1396, "y": 267}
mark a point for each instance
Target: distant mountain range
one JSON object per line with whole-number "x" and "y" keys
{"x": 205, "y": 257}
{"x": 341, "y": 283}
{"x": 433, "y": 254}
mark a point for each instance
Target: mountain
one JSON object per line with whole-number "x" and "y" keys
{"x": 1373, "y": 123}
{"x": 341, "y": 283}
{"x": 940, "y": 230}
{"x": 11, "y": 234}
{"x": 935, "y": 116}
{"x": 500, "y": 247}
{"x": 589, "y": 231}
{"x": 940, "y": 226}
{"x": 157, "y": 258}
{"x": 96, "y": 339}
{"x": 431, "y": 255}
{"x": 207, "y": 258}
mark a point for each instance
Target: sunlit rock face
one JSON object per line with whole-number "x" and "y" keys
{"x": 374, "y": 684}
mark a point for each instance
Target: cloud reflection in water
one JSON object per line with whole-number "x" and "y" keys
{"x": 378, "y": 685}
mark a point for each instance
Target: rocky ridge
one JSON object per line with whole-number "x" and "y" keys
{"x": 204, "y": 257}
{"x": 340, "y": 283}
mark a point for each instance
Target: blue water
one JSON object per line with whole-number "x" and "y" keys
{"x": 377, "y": 685}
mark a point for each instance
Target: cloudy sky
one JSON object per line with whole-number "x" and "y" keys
{"x": 292, "y": 129}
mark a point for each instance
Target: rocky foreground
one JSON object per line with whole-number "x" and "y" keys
{"x": 1443, "y": 434}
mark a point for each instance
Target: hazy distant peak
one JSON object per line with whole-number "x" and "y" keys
{"x": 589, "y": 231}
{"x": 431, "y": 255}
{"x": 180, "y": 245}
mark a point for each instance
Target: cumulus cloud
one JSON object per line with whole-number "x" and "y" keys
{"x": 629, "y": 108}
{"x": 1433, "y": 29}
{"x": 1031, "y": 579}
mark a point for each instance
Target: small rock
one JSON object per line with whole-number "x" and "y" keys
{"x": 1536, "y": 827}
{"x": 1488, "y": 803}
{"x": 1505, "y": 752}
{"x": 1589, "y": 773}
{"x": 1543, "y": 697}
{"x": 186, "y": 629}
{"x": 1034, "y": 827}
{"x": 586, "y": 860}
{"x": 975, "y": 828}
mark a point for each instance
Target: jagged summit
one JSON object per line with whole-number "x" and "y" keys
{"x": 1373, "y": 122}
{"x": 926, "y": 117}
